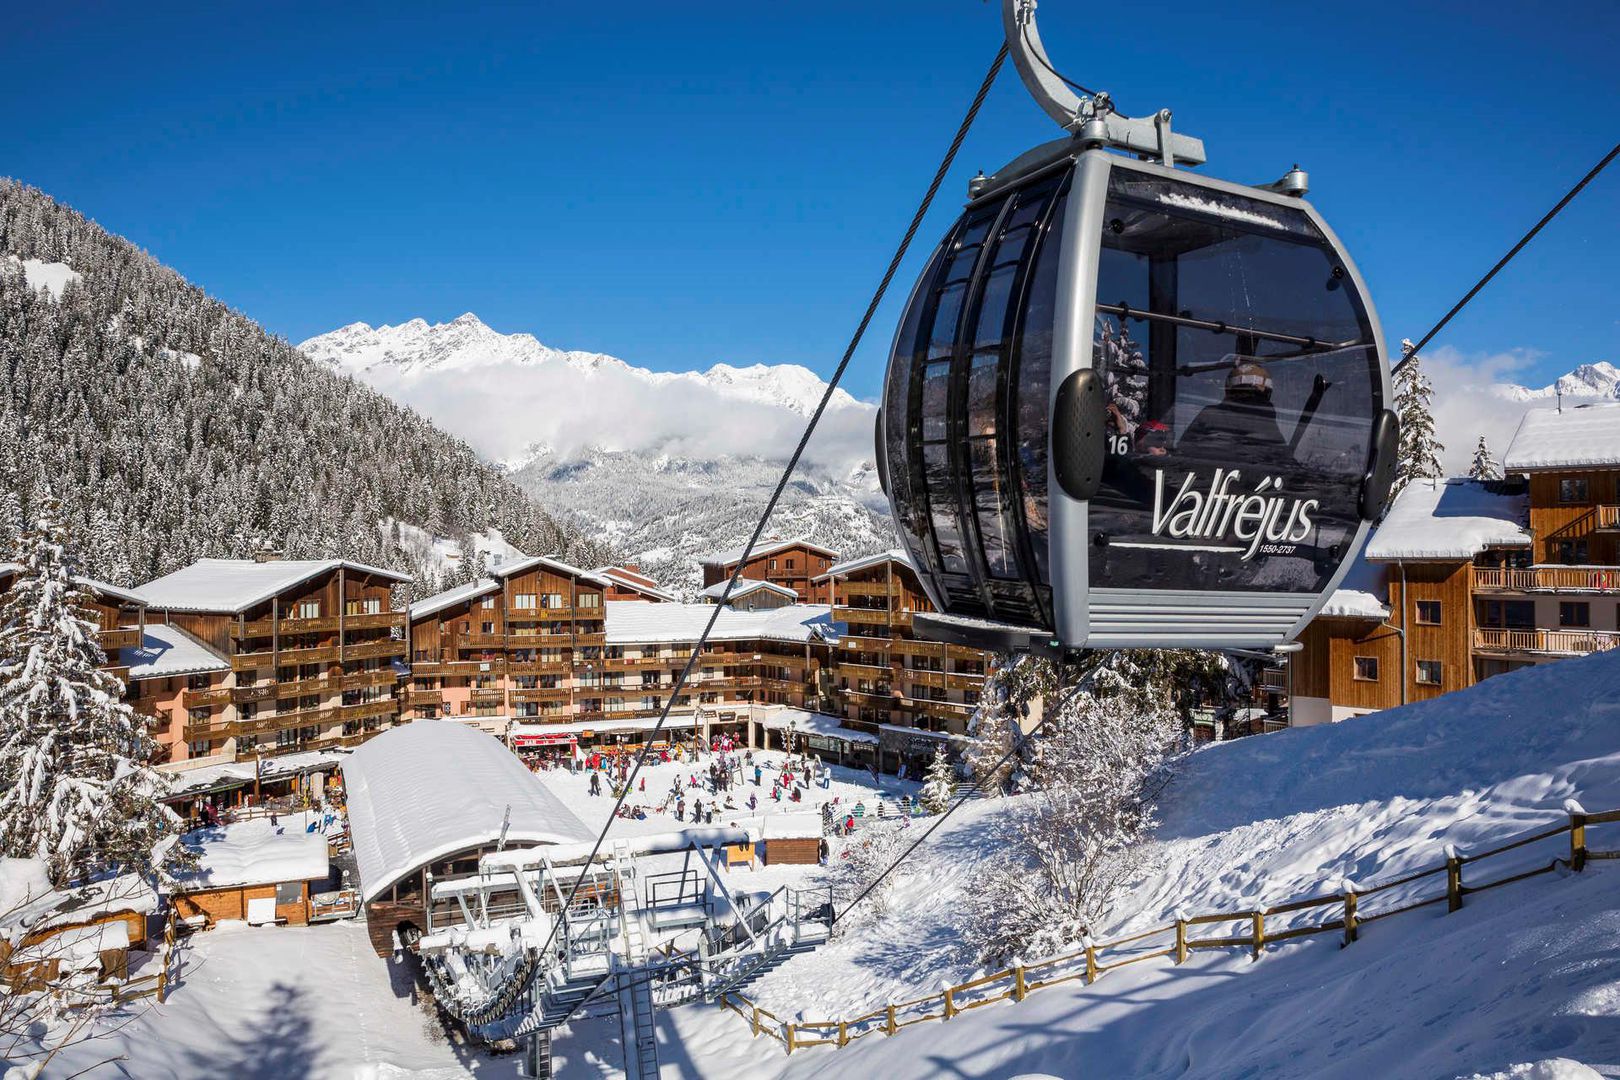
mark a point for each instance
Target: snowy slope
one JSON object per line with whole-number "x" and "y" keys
{"x": 1528, "y": 972}
{"x": 53, "y": 277}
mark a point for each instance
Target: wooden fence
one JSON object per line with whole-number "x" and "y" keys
{"x": 1347, "y": 913}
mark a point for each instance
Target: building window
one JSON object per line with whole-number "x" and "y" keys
{"x": 1572, "y": 552}
{"x": 590, "y": 600}
{"x": 1428, "y": 672}
{"x": 199, "y": 748}
{"x": 1428, "y": 612}
{"x": 199, "y": 716}
{"x": 1573, "y": 489}
{"x": 370, "y": 605}
{"x": 790, "y": 564}
{"x": 1574, "y": 613}
{"x": 553, "y": 600}
{"x": 1366, "y": 669}
{"x": 488, "y": 602}
{"x": 307, "y": 609}
{"x": 526, "y": 601}
{"x": 773, "y": 564}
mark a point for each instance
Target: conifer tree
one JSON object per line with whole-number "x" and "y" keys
{"x": 1418, "y": 451}
{"x": 1485, "y": 466}
{"x": 76, "y": 786}
{"x": 939, "y": 788}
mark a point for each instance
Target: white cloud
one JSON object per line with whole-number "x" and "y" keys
{"x": 1468, "y": 405}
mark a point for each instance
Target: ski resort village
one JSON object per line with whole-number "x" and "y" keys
{"x": 1097, "y": 563}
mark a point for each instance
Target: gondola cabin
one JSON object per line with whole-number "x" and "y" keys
{"x": 1128, "y": 405}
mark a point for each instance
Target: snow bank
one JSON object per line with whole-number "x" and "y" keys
{"x": 637, "y": 622}
{"x": 253, "y": 852}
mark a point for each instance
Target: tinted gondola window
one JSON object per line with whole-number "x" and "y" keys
{"x": 1242, "y": 379}
{"x": 965, "y": 416}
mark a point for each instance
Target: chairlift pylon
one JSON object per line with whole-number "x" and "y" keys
{"x": 1129, "y": 405}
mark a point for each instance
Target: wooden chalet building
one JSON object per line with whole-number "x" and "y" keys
{"x": 794, "y": 564}
{"x": 524, "y": 643}
{"x": 314, "y": 647}
{"x": 750, "y": 595}
{"x": 883, "y": 672}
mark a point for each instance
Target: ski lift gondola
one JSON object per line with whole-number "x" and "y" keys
{"x": 1128, "y": 405}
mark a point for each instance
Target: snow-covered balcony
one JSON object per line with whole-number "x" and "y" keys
{"x": 1574, "y": 579}
{"x": 1545, "y": 642}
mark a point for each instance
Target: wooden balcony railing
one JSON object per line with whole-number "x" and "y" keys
{"x": 244, "y": 695}
{"x": 424, "y": 697}
{"x": 120, "y": 638}
{"x": 866, "y": 588}
{"x": 1575, "y": 579}
{"x": 480, "y": 641}
{"x": 374, "y": 649}
{"x": 248, "y": 661}
{"x": 203, "y": 699}
{"x": 1608, "y": 518}
{"x": 359, "y": 680}
{"x": 1548, "y": 642}
{"x": 1274, "y": 678}
{"x": 300, "y": 687}
{"x": 266, "y": 627}
{"x": 540, "y": 695}
{"x": 385, "y": 707}
{"x": 377, "y": 621}
{"x": 538, "y": 667}
{"x": 487, "y": 697}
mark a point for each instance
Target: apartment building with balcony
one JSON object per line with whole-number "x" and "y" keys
{"x": 883, "y": 673}
{"x": 795, "y": 564}
{"x": 182, "y": 684}
{"x": 314, "y": 648}
{"x": 516, "y": 645}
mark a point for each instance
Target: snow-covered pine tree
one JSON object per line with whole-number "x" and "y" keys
{"x": 76, "y": 786}
{"x": 1484, "y": 466}
{"x": 939, "y": 787}
{"x": 1418, "y": 451}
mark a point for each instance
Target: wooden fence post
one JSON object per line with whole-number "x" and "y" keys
{"x": 950, "y": 1002}
{"x": 787, "y": 1036}
{"x": 1181, "y": 940}
{"x": 755, "y": 1010}
{"x": 1020, "y": 989}
{"x": 1453, "y": 879}
{"x": 1091, "y": 961}
{"x": 1350, "y": 923}
{"x": 1577, "y": 835}
{"x": 889, "y": 1027}
{"x": 843, "y": 1034}
{"x": 1259, "y": 933}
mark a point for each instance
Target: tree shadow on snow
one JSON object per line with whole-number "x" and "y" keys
{"x": 276, "y": 1045}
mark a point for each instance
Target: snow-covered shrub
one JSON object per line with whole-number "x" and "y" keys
{"x": 861, "y": 858}
{"x": 1098, "y": 767}
{"x": 939, "y": 786}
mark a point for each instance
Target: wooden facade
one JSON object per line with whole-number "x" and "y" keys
{"x": 217, "y": 905}
{"x": 883, "y": 672}
{"x": 317, "y": 665}
{"x": 795, "y": 564}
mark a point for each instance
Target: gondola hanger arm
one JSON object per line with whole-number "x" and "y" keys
{"x": 1092, "y": 118}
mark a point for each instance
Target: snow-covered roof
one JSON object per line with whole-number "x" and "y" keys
{"x": 1577, "y": 437}
{"x": 203, "y": 777}
{"x": 1451, "y": 519}
{"x": 866, "y": 562}
{"x": 232, "y": 585}
{"x": 431, "y": 605}
{"x": 168, "y": 651}
{"x": 1357, "y": 596}
{"x": 770, "y": 547}
{"x": 813, "y": 723}
{"x": 428, "y": 789}
{"x": 746, "y": 586}
{"x": 518, "y": 566}
{"x": 111, "y": 592}
{"x": 640, "y": 583}
{"x": 631, "y": 621}
{"x": 253, "y": 852}
{"x": 32, "y": 904}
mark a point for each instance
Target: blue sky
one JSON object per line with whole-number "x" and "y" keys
{"x": 682, "y": 184}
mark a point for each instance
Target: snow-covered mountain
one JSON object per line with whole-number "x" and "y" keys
{"x": 1601, "y": 379}
{"x": 665, "y": 466}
